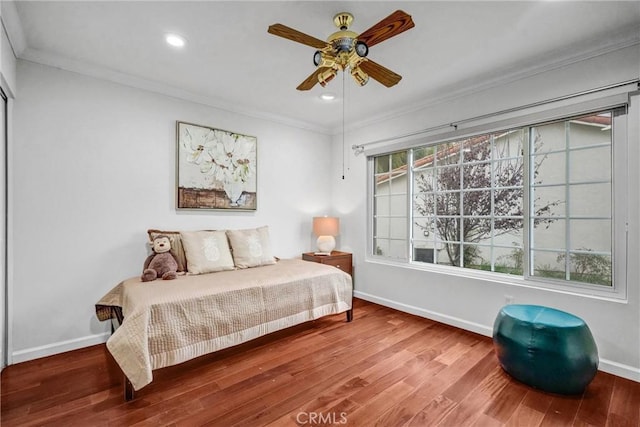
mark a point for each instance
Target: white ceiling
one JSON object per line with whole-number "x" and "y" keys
{"x": 232, "y": 62}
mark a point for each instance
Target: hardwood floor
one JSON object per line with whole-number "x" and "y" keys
{"x": 386, "y": 368}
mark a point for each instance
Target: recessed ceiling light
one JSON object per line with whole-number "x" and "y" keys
{"x": 175, "y": 40}
{"x": 328, "y": 96}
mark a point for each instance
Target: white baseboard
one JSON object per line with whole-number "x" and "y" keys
{"x": 611, "y": 367}
{"x": 58, "y": 347}
{"x": 615, "y": 368}
{"x": 418, "y": 311}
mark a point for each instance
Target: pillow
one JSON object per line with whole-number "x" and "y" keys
{"x": 176, "y": 246}
{"x": 206, "y": 251}
{"x": 251, "y": 247}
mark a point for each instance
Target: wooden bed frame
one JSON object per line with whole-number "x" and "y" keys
{"x": 116, "y": 320}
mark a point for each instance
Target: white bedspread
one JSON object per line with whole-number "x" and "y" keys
{"x": 169, "y": 322}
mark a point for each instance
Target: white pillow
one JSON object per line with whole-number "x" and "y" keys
{"x": 251, "y": 247}
{"x": 206, "y": 251}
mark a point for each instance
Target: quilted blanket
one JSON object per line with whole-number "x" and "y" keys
{"x": 169, "y": 322}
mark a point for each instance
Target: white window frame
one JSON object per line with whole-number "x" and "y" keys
{"x": 620, "y": 187}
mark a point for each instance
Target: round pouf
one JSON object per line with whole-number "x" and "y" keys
{"x": 545, "y": 348}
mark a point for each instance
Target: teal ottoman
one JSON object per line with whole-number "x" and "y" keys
{"x": 545, "y": 348}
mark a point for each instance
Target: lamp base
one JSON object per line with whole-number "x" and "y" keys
{"x": 322, "y": 253}
{"x": 326, "y": 244}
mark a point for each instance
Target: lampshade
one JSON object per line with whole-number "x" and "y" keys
{"x": 326, "y": 226}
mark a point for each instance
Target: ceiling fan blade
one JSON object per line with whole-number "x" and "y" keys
{"x": 296, "y": 36}
{"x": 311, "y": 81}
{"x": 380, "y": 73}
{"x": 390, "y": 26}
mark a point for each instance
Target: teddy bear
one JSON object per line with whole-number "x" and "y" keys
{"x": 161, "y": 263}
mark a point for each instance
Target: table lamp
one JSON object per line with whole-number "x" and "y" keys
{"x": 326, "y": 227}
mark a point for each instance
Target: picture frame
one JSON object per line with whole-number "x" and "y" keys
{"x": 216, "y": 169}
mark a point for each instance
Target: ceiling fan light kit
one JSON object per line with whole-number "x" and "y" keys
{"x": 347, "y": 49}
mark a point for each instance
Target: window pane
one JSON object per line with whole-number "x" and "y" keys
{"x": 549, "y": 138}
{"x": 398, "y": 249}
{"x": 550, "y": 168}
{"x": 381, "y": 247}
{"x": 591, "y": 235}
{"x": 509, "y": 144}
{"x": 424, "y": 230}
{"x": 508, "y": 202}
{"x": 448, "y": 178}
{"x": 550, "y": 234}
{"x": 382, "y": 164}
{"x": 476, "y": 175}
{"x": 383, "y": 184}
{"x": 593, "y": 164}
{"x": 449, "y": 254}
{"x": 590, "y": 130}
{"x": 448, "y": 228}
{"x": 382, "y": 227}
{"x": 423, "y": 204}
{"x": 448, "y": 153}
{"x": 509, "y": 260}
{"x": 477, "y": 203}
{"x": 590, "y": 200}
{"x": 590, "y": 268}
{"x": 423, "y": 181}
{"x": 511, "y": 239}
{"x": 398, "y": 160}
{"x": 476, "y": 149}
{"x": 382, "y": 206}
{"x": 398, "y": 228}
{"x": 549, "y": 264}
{"x": 476, "y": 230}
{"x": 423, "y": 157}
{"x": 398, "y": 204}
{"x": 508, "y": 172}
{"x": 477, "y": 257}
{"x": 549, "y": 201}
{"x": 448, "y": 203}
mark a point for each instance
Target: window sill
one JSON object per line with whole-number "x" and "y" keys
{"x": 585, "y": 291}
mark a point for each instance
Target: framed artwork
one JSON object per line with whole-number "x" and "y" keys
{"x": 216, "y": 169}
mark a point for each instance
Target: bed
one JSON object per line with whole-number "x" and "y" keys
{"x": 167, "y": 322}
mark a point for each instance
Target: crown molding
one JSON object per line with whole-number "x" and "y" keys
{"x": 13, "y": 26}
{"x": 104, "y": 73}
{"x": 15, "y": 32}
{"x": 626, "y": 37}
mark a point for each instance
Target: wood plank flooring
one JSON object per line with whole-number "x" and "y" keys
{"x": 386, "y": 368}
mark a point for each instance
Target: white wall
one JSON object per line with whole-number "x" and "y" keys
{"x": 7, "y": 83}
{"x": 94, "y": 167}
{"x": 473, "y": 303}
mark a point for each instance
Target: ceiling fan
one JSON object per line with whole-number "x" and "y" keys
{"x": 346, "y": 49}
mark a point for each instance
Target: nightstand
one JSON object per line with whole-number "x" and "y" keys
{"x": 341, "y": 260}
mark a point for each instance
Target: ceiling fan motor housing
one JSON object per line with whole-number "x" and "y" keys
{"x": 343, "y": 20}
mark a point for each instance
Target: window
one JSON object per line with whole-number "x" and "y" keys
{"x": 390, "y": 201}
{"x": 534, "y": 201}
{"x": 571, "y": 193}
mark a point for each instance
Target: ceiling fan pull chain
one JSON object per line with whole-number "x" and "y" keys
{"x": 343, "y": 108}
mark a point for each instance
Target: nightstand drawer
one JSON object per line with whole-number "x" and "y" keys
{"x": 343, "y": 263}
{"x": 341, "y": 260}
